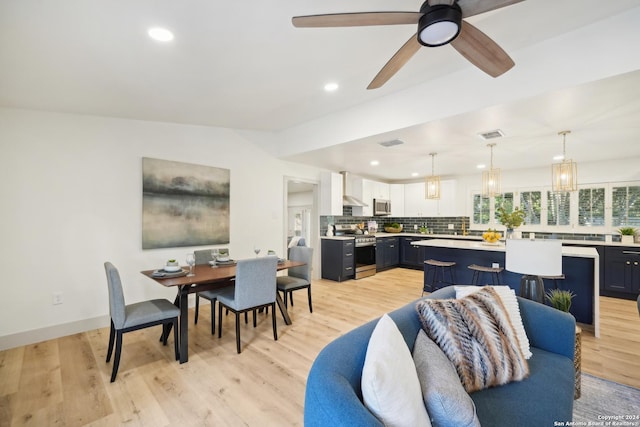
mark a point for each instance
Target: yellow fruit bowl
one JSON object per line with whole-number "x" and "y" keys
{"x": 491, "y": 236}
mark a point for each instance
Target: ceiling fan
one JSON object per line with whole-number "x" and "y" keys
{"x": 439, "y": 22}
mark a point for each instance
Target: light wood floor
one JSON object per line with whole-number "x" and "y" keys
{"x": 65, "y": 381}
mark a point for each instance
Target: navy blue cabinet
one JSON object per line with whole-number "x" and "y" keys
{"x": 338, "y": 260}
{"x": 410, "y": 255}
{"x": 622, "y": 271}
{"x": 387, "y": 253}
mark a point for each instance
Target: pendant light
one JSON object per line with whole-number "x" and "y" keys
{"x": 564, "y": 175}
{"x": 432, "y": 183}
{"x": 491, "y": 178}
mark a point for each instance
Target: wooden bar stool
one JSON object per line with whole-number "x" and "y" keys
{"x": 432, "y": 266}
{"x": 479, "y": 269}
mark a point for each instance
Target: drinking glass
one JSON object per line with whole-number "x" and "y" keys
{"x": 256, "y": 250}
{"x": 214, "y": 256}
{"x": 191, "y": 260}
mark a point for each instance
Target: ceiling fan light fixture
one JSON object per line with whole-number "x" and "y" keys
{"x": 439, "y": 24}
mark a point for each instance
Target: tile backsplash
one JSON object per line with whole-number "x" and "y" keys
{"x": 440, "y": 225}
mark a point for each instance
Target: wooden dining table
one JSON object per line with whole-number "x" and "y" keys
{"x": 207, "y": 278}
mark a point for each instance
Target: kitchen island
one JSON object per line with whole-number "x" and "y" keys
{"x": 580, "y": 265}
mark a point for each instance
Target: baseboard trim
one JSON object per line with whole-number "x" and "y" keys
{"x": 52, "y": 332}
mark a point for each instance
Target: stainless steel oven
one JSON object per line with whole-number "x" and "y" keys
{"x": 365, "y": 254}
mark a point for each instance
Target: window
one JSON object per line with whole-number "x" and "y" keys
{"x": 506, "y": 201}
{"x": 625, "y": 206}
{"x": 591, "y": 206}
{"x": 558, "y": 208}
{"x": 531, "y": 204}
{"x": 480, "y": 209}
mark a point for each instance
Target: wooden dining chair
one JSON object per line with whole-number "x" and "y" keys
{"x": 127, "y": 318}
{"x": 255, "y": 288}
{"x": 297, "y": 277}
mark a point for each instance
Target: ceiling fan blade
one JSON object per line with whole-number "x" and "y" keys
{"x": 476, "y": 7}
{"x": 356, "y": 19}
{"x": 397, "y": 61}
{"x": 481, "y": 51}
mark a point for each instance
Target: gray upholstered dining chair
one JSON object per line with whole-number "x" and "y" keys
{"x": 255, "y": 288}
{"x": 297, "y": 277}
{"x": 203, "y": 257}
{"x": 127, "y": 318}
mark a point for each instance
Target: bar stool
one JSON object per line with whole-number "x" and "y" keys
{"x": 479, "y": 269}
{"x": 433, "y": 266}
{"x": 554, "y": 278}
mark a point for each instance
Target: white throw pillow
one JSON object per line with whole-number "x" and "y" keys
{"x": 510, "y": 302}
{"x": 390, "y": 386}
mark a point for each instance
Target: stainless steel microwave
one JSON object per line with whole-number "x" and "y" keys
{"x": 381, "y": 207}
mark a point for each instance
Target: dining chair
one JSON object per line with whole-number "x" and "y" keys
{"x": 297, "y": 277}
{"x": 203, "y": 256}
{"x": 131, "y": 317}
{"x": 255, "y": 288}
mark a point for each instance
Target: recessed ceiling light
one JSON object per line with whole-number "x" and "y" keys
{"x": 374, "y": 163}
{"x": 414, "y": 174}
{"x": 481, "y": 166}
{"x": 160, "y": 34}
{"x": 331, "y": 87}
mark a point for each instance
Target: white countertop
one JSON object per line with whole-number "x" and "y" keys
{"x": 351, "y": 237}
{"x": 574, "y": 251}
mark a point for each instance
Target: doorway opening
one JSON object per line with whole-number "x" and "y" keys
{"x": 301, "y": 218}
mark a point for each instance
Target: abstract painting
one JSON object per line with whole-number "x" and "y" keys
{"x": 184, "y": 204}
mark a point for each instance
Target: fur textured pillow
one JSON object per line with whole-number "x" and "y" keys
{"x": 510, "y": 302}
{"x": 477, "y": 336}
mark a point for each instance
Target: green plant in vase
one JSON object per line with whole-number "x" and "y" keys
{"x": 627, "y": 234}
{"x": 560, "y": 299}
{"x": 511, "y": 220}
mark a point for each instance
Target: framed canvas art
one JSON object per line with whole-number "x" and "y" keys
{"x": 184, "y": 204}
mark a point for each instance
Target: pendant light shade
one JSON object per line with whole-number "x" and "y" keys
{"x": 564, "y": 175}
{"x": 491, "y": 179}
{"x": 432, "y": 183}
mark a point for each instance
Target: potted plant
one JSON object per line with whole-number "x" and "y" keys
{"x": 627, "y": 234}
{"x": 560, "y": 299}
{"x": 511, "y": 219}
{"x": 393, "y": 227}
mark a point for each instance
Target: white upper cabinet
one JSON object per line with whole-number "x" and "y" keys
{"x": 415, "y": 203}
{"x": 396, "y": 195}
{"x": 330, "y": 193}
{"x": 367, "y": 190}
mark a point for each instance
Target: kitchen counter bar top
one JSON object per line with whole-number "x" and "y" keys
{"x": 567, "y": 251}
{"x": 575, "y": 251}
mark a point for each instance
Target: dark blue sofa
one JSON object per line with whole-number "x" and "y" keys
{"x": 334, "y": 397}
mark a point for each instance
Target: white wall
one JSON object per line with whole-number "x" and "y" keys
{"x": 71, "y": 191}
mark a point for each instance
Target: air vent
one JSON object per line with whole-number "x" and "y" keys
{"x": 492, "y": 134}
{"x": 391, "y": 143}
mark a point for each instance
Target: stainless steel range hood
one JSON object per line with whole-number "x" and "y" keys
{"x": 348, "y": 199}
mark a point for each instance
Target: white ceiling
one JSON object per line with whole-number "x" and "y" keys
{"x": 242, "y": 65}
